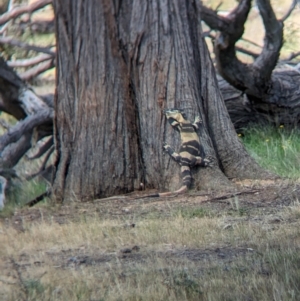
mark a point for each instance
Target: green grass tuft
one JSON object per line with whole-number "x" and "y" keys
{"x": 275, "y": 148}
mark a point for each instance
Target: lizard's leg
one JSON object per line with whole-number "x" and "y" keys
{"x": 186, "y": 176}
{"x": 172, "y": 153}
{"x": 203, "y": 161}
{"x": 197, "y": 122}
{"x": 175, "y": 124}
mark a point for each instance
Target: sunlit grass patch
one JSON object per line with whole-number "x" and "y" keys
{"x": 275, "y": 148}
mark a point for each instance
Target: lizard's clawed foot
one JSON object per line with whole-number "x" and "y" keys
{"x": 208, "y": 160}
{"x": 166, "y": 147}
{"x": 198, "y": 120}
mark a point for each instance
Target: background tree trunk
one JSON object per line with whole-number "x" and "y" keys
{"x": 119, "y": 65}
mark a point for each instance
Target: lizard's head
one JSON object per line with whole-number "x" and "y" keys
{"x": 176, "y": 114}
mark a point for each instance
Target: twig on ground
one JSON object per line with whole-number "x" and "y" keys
{"x": 229, "y": 195}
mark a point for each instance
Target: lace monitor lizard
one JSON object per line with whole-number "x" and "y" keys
{"x": 190, "y": 151}
{"x": 189, "y": 154}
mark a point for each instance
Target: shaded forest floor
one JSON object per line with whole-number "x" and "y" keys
{"x": 242, "y": 245}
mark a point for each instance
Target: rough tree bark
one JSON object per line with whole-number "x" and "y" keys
{"x": 119, "y": 64}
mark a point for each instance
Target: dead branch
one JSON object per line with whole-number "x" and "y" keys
{"x": 15, "y": 151}
{"x": 42, "y": 26}
{"x": 5, "y": 26}
{"x": 42, "y": 150}
{"x": 282, "y": 106}
{"x": 8, "y": 173}
{"x": 20, "y": 101}
{"x": 268, "y": 58}
{"x": 29, "y": 62}
{"x": 229, "y": 195}
{"x": 228, "y": 64}
{"x": 7, "y": 74}
{"x": 50, "y": 152}
{"x": 239, "y": 49}
{"x": 36, "y": 70}
{"x": 229, "y": 23}
{"x": 248, "y": 52}
{"x": 16, "y": 98}
{"x": 213, "y": 20}
{"x": 14, "y": 42}
{"x": 43, "y": 166}
{"x": 25, "y": 126}
{"x": 253, "y": 79}
{"x": 30, "y": 102}
{"x": 264, "y": 94}
{"x": 292, "y": 56}
{"x": 48, "y": 99}
{"x": 290, "y": 10}
{"x": 251, "y": 42}
{"x": 18, "y": 11}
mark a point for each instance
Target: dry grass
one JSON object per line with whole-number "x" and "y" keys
{"x": 183, "y": 253}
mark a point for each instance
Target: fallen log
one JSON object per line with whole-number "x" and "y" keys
{"x": 281, "y": 107}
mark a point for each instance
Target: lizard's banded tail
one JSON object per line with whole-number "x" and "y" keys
{"x": 186, "y": 179}
{"x": 186, "y": 176}
{"x": 182, "y": 189}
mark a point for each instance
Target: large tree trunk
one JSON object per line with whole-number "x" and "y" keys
{"x": 119, "y": 65}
